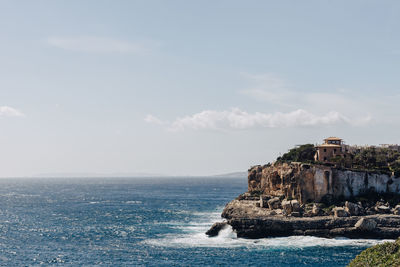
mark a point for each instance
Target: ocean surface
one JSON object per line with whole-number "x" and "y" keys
{"x": 142, "y": 222}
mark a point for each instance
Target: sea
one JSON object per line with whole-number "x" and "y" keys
{"x": 143, "y": 222}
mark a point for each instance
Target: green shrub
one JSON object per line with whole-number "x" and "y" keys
{"x": 303, "y": 153}
{"x": 386, "y": 254}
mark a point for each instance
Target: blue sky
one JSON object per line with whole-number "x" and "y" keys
{"x": 191, "y": 87}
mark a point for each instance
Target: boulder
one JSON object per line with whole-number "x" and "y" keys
{"x": 365, "y": 224}
{"x": 286, "y": 206}
{"x": 215, "y": 228}
{"x": 382, "y": 209}
{"x": 340, "y": 212}
{"x": 352, "y": 208}
{"x": 396, "y": 210}
{"x": 295, "y": 205}
{"x": 274, "y": 203}
{"x": 316, "y": 210}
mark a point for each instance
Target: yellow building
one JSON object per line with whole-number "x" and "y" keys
{"x": 331, "y": 148}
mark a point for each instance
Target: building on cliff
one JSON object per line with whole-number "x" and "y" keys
{"x": 331, "y": 148}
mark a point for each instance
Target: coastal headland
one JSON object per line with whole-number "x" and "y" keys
{"x": 328, "y": 190}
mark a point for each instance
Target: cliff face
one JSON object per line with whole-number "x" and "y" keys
{"x": 316, "y": 182}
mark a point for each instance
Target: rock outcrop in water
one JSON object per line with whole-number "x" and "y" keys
{"x": 309, "y": 199}
{"x": 250, "y": 221}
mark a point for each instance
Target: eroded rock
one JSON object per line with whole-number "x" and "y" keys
{"x": 251, "y": 222}
{"x": 216, "y": 228}
{"x": 365, "y": 224}
{"x": 286, "y": 206}
{"x": 274, "y": 203}
{"x": 382, "y": 209}
{"x": 295, "y": 205}
{"x": 396, "y": 210}
{"x": 352, "y": 208}
{"x": 316, "y": 210}
{"x": 340, "y": 212}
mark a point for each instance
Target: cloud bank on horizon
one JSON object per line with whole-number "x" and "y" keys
{"x": 237, "y": 119}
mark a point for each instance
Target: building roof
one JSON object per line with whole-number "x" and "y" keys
{"x": 328, "y": 145}
{"x": 333, "y": 139}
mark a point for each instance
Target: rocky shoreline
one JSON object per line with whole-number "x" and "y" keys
{"x": 294, "y": 198}
{"x": 249, "y": 219}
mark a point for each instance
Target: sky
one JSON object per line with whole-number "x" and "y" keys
{"x": 191, "y": 87}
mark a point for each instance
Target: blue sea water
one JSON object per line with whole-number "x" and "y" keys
{"x": 142, "y": 222}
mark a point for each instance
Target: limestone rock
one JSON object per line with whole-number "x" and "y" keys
{"x": 295, "y": 205}
{"x": 396, "y": 210}
{"x": 352, "y": 208}
{"x": 316, "y": 210}
{"x": 314, "y": 182}
{"x": 279, "y": 211}
{"x": 365, "y": 224}
{"x": 251, "y": 222}
{"x": 215, "y": 228}
{"x": 340, "y": 212}
{"x": 382, "y": 209}
{"x": 264, "y": 202}
{"x": 286, "y": 206}
{"x": 295, "y": 214}
{"x": 274, "y": 203}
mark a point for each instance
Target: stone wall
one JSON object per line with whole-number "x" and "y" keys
{"x": 316, "y": 182}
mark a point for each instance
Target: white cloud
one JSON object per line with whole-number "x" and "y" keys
{"x": 152, "y": 119}
{"x": 277, "y": 92}
{"x": 236, "y": 119}
{"x": 96, "y": 44}
{"x": 6, "y": 111}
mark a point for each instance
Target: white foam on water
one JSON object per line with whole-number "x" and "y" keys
{"x": 227, "y": 238}
{"x": 193, "y": 235}
{"x": 133, "y": 202}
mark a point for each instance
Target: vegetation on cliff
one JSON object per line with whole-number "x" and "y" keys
{"x": 303, "y": 153}
{"x": 381, "y": 159}
{"x": 386, "y": 254}
{"x": 376, "y": 159}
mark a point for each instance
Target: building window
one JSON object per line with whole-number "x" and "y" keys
{"x": 324, "y": 158}
{"x": 324, "y": 149}
{"x": 334, "y": 150}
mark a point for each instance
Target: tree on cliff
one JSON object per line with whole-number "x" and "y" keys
{"x": 303, "y": 153}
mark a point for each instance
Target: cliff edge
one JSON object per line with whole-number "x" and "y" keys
{"x": 295, "y": 198}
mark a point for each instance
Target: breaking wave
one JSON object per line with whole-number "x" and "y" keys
{"x": 193, "y": 235}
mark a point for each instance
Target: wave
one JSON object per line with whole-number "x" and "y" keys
{"x": 193, "y": 235}
{"x": 227, "y": 238}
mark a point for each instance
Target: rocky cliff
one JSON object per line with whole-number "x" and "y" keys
{"x": 316, "y": 183}
{"x": 297, "y": 199}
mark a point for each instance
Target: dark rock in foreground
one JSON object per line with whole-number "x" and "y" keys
{"x": 250, "y": 221}
{"x": 215, "y": 228}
